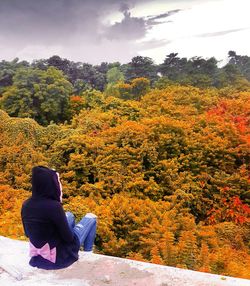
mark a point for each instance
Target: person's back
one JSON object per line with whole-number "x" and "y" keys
{"x": 53, "y": 244}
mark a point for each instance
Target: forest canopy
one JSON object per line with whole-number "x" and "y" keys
{"x": 160, "y": 153}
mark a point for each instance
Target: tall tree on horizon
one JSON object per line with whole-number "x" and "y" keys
{"x": 242, "y": 63}
{"x": 141, "y": 67}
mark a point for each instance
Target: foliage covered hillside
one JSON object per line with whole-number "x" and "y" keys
{"x": 165, "y": 168}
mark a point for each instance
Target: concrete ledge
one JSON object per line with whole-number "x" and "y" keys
{"x": 99, "y": 270}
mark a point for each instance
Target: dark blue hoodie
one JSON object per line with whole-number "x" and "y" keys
{"x": 44, "y": 221}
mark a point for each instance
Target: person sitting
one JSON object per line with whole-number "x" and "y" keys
{"x": 55, "y": 238}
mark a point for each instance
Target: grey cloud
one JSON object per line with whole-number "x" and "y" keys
{"x": 164, "y": 15}
{"x": 51, "y": 21}
{"x": 74, "y": 28}
{"x": 124, "y": 7}
{"x": 152, "y": 44}
{"x": 220, "y": 33}
{"x": 132, "y": 28}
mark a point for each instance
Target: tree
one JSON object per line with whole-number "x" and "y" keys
{"x": 230, "y": 74}
{"x": 166, "y": 170}
{"x": 198, "y": 65}
{"x": 124, "y": 90}
{"x": 10, "y": 211}
{"x": 42, "y": 95}
{"x": 19, "y": 150}
{"x": 91, "y": 76}
{"x": 173, "y": 67}
{"x": 164, "y": 82}
{"x": 242, "y": 63}
{"x": 195, "y": 71}
{"x": 114, "y": 75}
{"x": 102, "y": 68}
{"x": 140, "y": 86}
{"x": 133, "y": 91}
{"x": 80, "y": 86}
{"x": 59, "y": 63}
{"x": 141, "y": 67}
{"x": 8, "y": 70}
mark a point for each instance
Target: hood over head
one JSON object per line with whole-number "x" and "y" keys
{"x": 46, "y": 183}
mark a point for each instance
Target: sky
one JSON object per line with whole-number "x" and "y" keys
{"x": 94, "y": 31}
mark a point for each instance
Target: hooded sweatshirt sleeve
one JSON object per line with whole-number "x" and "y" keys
{"x": 59, "y": 219}
{"x": 24, "y": 227}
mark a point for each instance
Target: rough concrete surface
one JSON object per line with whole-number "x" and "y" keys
{"x": 99, "y": 270}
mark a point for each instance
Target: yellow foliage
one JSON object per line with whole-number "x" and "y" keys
{"x": 157, "y": 171}
{"x": 10, "y": 211}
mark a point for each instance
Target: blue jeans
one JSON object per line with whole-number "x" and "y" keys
{"x": 85, "y": 230}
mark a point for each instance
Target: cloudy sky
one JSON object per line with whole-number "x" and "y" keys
{"x": 117, "y": 30}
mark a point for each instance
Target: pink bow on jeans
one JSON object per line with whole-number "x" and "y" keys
{"x": 45, "y": 252}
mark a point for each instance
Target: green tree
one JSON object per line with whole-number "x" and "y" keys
{"x": 41, "y": 95}
{"x": 59, "y": 63}
{"x": 8, "y": 70}
{"x": 141, "y": 67}
{"x": 195, "y": 71}
{"x": 114, "y": 75}
{"x": 242, "y": 63}
{"x": 173, "y": 67}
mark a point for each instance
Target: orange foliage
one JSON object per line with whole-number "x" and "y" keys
{"x": 10, "y": 211}
{"x": 167, "y": 175}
